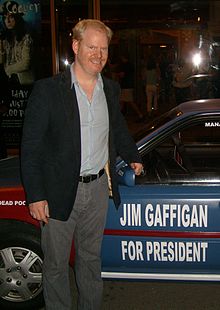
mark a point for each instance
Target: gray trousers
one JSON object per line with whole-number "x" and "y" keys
{"x": 86, "y": 225}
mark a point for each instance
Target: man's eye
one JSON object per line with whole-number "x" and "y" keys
{"x": 92, "y": 48}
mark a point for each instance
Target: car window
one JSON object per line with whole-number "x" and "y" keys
{"x": 189, "y": 155}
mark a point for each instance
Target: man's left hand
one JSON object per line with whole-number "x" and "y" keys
{"x": 137, "y": 167}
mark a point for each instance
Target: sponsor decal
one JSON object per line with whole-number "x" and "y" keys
{"x": 165, "y": 251}
{"x": 162, "y": 215}
{"x": 212, "y": 124}
{"x": 12, "y": 203}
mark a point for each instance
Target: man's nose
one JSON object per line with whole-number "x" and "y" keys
{"x": 99, "y": 52}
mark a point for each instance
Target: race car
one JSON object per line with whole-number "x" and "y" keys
{"x": 167, "y": 227}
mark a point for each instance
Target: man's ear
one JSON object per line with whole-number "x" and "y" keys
{"x": 75, "y": 46}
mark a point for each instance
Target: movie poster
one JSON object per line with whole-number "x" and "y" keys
{"x": 20, "y": 22}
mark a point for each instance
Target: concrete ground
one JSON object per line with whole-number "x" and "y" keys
{"x": 161, "y": 296}
{"x": 121, "y": 295}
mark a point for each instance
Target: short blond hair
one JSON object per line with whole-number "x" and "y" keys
{"x": 82, "y": 25}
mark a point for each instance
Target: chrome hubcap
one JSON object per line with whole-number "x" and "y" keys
{"x": 20, "y": 274}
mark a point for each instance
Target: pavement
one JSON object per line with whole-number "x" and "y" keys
{"x": 156, "y": 295}
{"x": 161, "y": 296}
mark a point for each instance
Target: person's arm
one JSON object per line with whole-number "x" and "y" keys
{"x": 39, "y": 210}
{"x": 137, "y": 167}
{"x": 35, "y": 128}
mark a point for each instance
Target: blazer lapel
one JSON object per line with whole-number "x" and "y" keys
{"x": 109, "y": 96}
{"x": 70, "y": 103}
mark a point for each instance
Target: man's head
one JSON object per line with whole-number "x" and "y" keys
{"x": 91, "y": 39}
{"x": 96, "y": 24}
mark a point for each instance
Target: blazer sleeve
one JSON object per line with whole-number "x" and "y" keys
{"x": 33, "y": 140}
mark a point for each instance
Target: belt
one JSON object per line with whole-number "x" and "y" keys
{"x": 91, "y": 177}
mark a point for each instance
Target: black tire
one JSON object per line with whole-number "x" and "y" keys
{"x": 20, "y": 266}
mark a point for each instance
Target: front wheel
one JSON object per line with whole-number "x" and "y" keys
{"x": 21, "y": 262}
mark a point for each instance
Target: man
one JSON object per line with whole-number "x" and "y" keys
{"x": 182, "y": 84}
{"x": 72, "y": 128}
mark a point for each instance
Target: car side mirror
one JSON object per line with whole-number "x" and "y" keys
{"x": 126, "y": 176}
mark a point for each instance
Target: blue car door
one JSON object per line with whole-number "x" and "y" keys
{"x": 168, "y": 224}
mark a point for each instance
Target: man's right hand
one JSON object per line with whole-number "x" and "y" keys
{"x": 39, "y": 211}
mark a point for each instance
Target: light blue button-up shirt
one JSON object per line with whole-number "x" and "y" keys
{"x": 94, "y": 122}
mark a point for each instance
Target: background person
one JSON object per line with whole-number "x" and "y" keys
{"x": 182, "y": 85}
{"x": 72, "y": 128}
{"x": 126, "y": 78}
{"x": 16, "y": 45}
{"x": 152, "y": 82}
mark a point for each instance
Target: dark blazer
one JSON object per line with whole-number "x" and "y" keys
{"x": 51, "y": 144}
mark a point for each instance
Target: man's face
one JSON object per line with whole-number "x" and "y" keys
{"x": 9, "y": 21}
{"x": 91, "y": 53}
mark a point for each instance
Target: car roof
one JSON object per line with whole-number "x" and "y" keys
{"x": 201, "y": 105}
{"x": 178, "y": 114}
